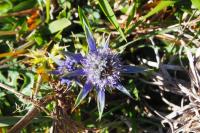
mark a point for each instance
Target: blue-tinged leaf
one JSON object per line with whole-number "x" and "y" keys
{"x": 132, "y": 69}
{"x": 77, "y": 57}
{"x": 74, "y": 73}
{"x": 90, "y": 39}
{"x": 83, "y": 93}
{"x": 66, "y": 81}
{"x": 87, "y": 30}
{"x": 56, "y": 72}
{"x": 123, "y": 89}
{"x": 101, "y": 102}
{"x": 106, "y": 45}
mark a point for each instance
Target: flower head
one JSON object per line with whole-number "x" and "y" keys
{"x": 102, "y": 69}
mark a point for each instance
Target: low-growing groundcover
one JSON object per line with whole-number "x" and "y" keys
{"x": 99, "y": 66}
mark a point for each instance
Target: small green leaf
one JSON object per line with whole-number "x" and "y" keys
{"x": 58, "y": 25}
{"x": 38, "y": 39}
{"x": 10, "y": 78}
{"x": 28, "y": 83}
{"x": 196, "y": 3}
{"x": 105, "y": 6}
{"x": 136, "y": 93}
{"x": 5, "y": 6}
{"x": 26, "y": 4}
{"x": 163, "y": 4}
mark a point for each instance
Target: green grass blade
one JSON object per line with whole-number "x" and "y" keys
{"x": 105, "y": 6}
{"x": 163, "y": 4}
{"x": 83, "y": 17}
{"x": 132, "y": 27}
{"x": 132, "y": 10}
{"x": 153, "y": 33}
{"x": 48, "y": 4}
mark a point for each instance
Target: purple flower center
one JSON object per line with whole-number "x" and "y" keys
{"x": 102, "y": 68}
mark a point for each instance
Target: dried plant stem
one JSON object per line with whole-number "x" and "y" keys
{"x": 18, "y": 94}
{"x": 20, "y": 13}
{"x": 156, "y": 52}
{"x": 24, "y": 46}
{"x": 4, "y": 33}
{"x": 24, "y": 121}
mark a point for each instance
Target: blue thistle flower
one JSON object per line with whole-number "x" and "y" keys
{"x": 102, "y": 69}
{"x": 66, "y": 66}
